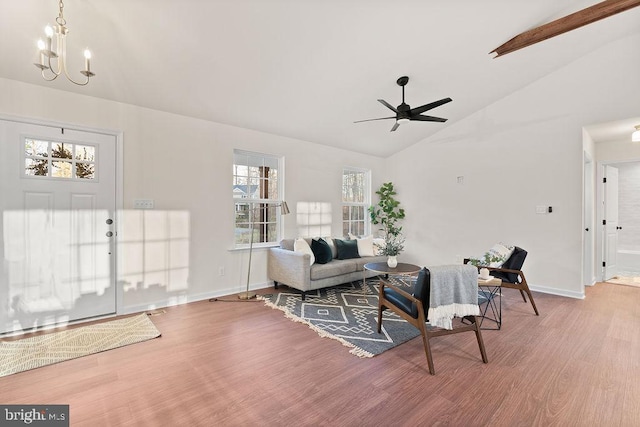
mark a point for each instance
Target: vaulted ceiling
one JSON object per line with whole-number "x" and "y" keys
{"x": 305, "y": 69}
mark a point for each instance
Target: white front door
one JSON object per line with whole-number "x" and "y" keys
{"x": 57, "y": 201}
{"x": 611, "y": 222}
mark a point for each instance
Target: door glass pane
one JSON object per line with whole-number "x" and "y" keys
{"x": 61, "y": 169}
{"x": 85, "y": 171}
{"x": 61, "y": 150}
{"x": 36, "y": 167}
{"x": 33, "y": 147}
{"x": 86, "y": 153}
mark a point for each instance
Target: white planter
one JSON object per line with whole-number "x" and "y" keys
{"x": 392, "y": 261}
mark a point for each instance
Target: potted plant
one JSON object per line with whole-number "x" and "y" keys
{"x": 387, "y": 213}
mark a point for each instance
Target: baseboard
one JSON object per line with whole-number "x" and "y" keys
{"x": 558, "y": 292}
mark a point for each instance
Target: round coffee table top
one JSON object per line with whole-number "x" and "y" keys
{"x": 402, "y": 268}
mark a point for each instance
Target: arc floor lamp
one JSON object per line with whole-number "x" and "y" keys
{"x": 284, "y": 210}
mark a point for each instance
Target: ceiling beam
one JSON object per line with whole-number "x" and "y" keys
{"x": 570, "y": 22}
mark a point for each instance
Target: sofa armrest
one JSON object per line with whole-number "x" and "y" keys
{"x": 289, "y": 268}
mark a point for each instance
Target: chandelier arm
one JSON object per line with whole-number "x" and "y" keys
{"x": 63, "y": 67}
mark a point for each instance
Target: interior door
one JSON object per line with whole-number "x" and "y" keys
{"x": 57, "y": 201}
{"x": 611, "y": 222}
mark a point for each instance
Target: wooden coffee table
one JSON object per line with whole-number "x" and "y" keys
{"x": 402, "y": 269}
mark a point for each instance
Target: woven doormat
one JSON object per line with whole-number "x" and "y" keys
{"x": 35, "y": 352}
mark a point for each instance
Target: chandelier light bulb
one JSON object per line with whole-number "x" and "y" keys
{"x": 635, "y": 136}
{"x": 41, "y": 45}
{"x": 48, "y": 31}
{"x": 87, "y": 54}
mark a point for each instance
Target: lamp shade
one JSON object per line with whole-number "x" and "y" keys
{"x": 284, "y": 208}
{"x": 635, "y": 136}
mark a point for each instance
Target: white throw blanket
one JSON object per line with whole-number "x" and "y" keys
{"x": 454, "y": 292}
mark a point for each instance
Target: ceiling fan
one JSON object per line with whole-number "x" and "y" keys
{"x": 405, "y": 114}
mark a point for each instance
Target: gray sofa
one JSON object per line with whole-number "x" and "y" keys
{"x": 284, "y": 266}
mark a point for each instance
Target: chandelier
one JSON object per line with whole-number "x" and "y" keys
{"x": 53, "y": 62}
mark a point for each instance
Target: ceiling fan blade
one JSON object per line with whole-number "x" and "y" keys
{"x": 370, "y": 120}
{"x": 427, "y": 119}
{"x": 389, "y": 106}
{"x": 427, "y": 107}
{"x": 396, "y": 125}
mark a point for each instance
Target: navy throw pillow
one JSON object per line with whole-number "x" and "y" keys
{"x": 321, "y": 250}
{"x": 347, "y": 249}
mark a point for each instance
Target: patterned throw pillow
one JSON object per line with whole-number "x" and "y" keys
{"x": 495, "y": 257}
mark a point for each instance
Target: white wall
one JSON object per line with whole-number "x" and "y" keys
{"x": 184, "y": 165}
{"x": 522, "y": 151}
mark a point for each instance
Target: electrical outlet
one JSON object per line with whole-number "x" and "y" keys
{"x": 143, "y": 204}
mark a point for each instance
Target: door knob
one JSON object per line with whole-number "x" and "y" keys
{"x": 586, "y": 229}
{"x": 109, "y": 233}
{"x": 109, "y": 221}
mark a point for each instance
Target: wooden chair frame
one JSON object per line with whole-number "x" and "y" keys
{"x": 522, "y": 286}
{"x": 420, "y": 322}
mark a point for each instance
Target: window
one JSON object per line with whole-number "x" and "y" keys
{"x": 355, "y": 201}
{"x": 59, "y": 160}
{"x": 257, "y": 195}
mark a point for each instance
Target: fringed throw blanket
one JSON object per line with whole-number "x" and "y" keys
{"x": 454, "y": 292}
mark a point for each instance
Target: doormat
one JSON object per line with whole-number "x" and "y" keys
{"x": 346, "y": 314}
{"x": 625, "y": 280}
{"x": 42, "y": 350}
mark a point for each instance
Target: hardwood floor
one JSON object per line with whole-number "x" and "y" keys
{"x": 219, "y": 363}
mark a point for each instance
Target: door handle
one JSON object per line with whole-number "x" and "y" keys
{"x": 109, "y": 233}
{"x": 586, "y": 229}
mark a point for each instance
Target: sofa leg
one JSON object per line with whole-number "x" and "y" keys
{"x": 275, "y": 285}
{"x": 304, "y": 294}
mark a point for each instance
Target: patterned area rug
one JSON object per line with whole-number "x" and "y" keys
{"x": 35, "y": 352}
{"x": 346, "y": 314}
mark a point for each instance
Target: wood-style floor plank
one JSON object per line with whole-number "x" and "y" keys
{"x": 232, "y": 363}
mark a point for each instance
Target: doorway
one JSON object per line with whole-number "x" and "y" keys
{"x": 57, "y": 228}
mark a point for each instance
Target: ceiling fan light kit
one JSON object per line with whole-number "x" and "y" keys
{"x": 635, "y": 136}
{"x": 404, "y": 112}
{"x": 53, "y": 62}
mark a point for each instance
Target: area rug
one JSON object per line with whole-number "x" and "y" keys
{"x": 344, "y": 313}
{"x": 35, "y": 352}
{"x": 625, "y": 280}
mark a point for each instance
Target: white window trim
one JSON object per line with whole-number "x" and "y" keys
{"x": 277, "y": 203}
{"x": 367, "y": 201}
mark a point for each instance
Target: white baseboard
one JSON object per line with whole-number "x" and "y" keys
{"x": 556, "y": 291}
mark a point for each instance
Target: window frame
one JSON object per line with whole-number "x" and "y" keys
{"x": 366, "y": 191}
{"x": 49, "y": 159}
{"x": 266, "y": 203}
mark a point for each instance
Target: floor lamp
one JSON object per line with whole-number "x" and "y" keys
{"x": 284, "y": 210}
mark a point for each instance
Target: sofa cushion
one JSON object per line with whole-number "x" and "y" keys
{"x": 301, "y": 245}
{"x": 321, "y": 250}
{"x": 347, "y": 249}
{"x": 287, "y": 244}
{"x": 331, "y": 269}
{"x": 360, "y": 262}
{"x": 365, "y": 246}
{"x": 332, "y": 244}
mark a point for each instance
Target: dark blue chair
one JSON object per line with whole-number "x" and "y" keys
{"x": 414, "y": 307}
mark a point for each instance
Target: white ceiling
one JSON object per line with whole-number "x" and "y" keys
{"x": 305, "y": 69}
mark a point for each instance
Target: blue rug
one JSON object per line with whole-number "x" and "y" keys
{"x": 344, "y": 313}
